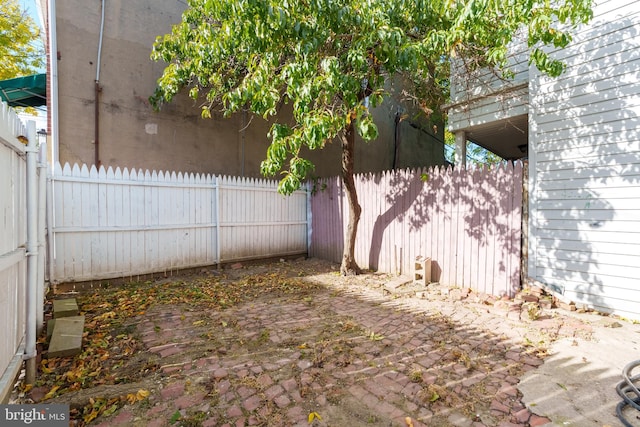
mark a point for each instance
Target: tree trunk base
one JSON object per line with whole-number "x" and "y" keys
{"x": 349, "y": 269}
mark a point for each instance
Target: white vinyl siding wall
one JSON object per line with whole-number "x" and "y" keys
{"x": 584, "y": 130}
{"x": 481, "y": 97}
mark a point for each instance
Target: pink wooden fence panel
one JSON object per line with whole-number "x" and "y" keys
{"x": 467, "y": 221}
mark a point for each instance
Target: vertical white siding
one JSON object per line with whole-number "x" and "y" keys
{"x": 585, "y": 165}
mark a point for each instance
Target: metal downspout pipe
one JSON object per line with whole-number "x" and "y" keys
{"x": 98, "y": 89}
{"x": 41, "y": 233}
{"x": 32, "y": 254}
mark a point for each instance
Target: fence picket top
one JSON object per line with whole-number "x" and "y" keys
{"x": 476, "y": 174}
{"x": 517, "y": 164}
{"x": 9, "y": 116}
{"x": 93, "y": 172}
{"x": 518, "y": 168}
{"x": 456, "y": 173}
{"x": 111, "y": 175}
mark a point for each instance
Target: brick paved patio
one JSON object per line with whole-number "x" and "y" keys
{"x": 348, "y": 353}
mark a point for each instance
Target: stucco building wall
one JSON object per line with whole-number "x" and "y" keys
{"x": 131, "y": 134}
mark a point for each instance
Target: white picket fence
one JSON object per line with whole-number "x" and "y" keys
{"x": 110, "y": 223}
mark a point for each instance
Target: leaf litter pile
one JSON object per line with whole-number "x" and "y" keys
{"x": 224, "y": 314}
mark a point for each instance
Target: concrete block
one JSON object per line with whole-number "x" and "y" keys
{"x": 65, "y": 308}
{"x": 422, "y": 271}
{"x": 66, "y": 339}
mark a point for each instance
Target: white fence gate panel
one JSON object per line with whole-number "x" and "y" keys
{"x": 118, "y": 223}
{"x": 257, "y": 221}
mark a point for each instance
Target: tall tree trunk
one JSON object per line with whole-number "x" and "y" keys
{"x": 349, "y": 266}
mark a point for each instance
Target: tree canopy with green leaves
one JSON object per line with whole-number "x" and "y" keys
{"x": 332, "y": 60}
{"x": 20, "y": 51}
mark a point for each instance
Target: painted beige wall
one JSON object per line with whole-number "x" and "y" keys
{"x": 131, "y": 134}
{"x": 410, "y": 147}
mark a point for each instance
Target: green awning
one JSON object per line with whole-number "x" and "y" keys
{"x": 28, "y": 91}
